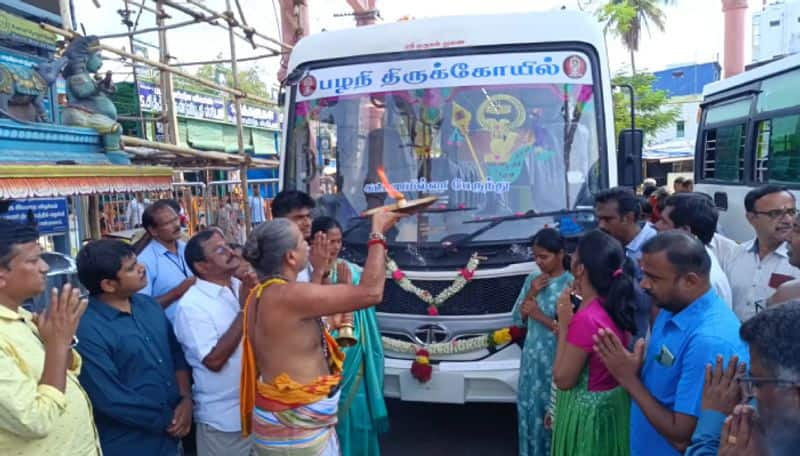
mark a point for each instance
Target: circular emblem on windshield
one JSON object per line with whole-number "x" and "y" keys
{"x": 575, "y": 66}
{"x": 308, "y": 85}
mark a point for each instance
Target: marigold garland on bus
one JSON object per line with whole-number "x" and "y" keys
{"x": 421, "y": 368}
{"x": 464, "y": 276}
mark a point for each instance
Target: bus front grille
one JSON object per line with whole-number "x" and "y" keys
{"x": 479, "y": 297}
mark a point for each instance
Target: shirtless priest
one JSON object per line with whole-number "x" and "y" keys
{"x": 291, "y": 365}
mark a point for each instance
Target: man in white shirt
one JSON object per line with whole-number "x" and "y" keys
{"x": 760, "y": 266}
{"x": 723, "y": 247}
{"x": 208, "y": 325}
{"x": 790, "y": 290}
{"x": 696, "y": 214}
{"x": 134, "y": 212}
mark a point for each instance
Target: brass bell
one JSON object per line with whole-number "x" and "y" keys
{"x": 346, "y": 337}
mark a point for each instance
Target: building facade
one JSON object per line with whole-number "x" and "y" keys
{"x": 684, "y": 86}
{"x": 776, "y": 30}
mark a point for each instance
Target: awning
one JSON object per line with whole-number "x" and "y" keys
{"x": 669, "y": 152}
{"x": 39, "y": 181}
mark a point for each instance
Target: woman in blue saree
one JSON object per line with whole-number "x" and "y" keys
{"x": 536, "y": 309}
{"x": 362, "y": 409}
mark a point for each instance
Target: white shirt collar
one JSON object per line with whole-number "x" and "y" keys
{"x": 214, "y": 290}
{"x": 752, "y": 247}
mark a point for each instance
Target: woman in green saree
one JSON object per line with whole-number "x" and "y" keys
{"x": 592, "y": 412}
{"x": 362, "y": 409}
{"x": 536, "y": 309}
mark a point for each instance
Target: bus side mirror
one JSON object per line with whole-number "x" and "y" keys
{"x": 629, "y": 158}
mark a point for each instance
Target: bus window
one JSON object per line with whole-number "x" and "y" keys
{"x": 723, "y": 153}
{"x": 778, "y": 150}
{"x": 779, "y": 92}
{"x": 729, "y": 111}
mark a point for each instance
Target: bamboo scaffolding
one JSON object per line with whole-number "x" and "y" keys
{"x": 144, "y": 7}
{"x": 167, "y": 86}
{"x": 237, "y": 106}
{"x": 146, "y": 155}
{"x": 156, "y": 29}
{"x": 229, "y": 18}
{"x": 230, "y": 159}
{"x": 217, "y": 61}
{"x": 236, "y": 93}
{"x": 170, "y": 151}
{"x": 245, "y": 28}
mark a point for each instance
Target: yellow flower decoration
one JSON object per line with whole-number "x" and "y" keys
{"x": 422, "y": 360}
{"x": 501, "y": 337}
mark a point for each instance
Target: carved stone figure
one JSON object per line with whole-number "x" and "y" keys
{"x": 21, "y": 85}
{"x": 89, "y": 104}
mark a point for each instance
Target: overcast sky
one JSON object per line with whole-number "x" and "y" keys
{"x": 693, "y": 31}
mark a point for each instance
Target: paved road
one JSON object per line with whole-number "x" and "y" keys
{"x": 442, "y": 429}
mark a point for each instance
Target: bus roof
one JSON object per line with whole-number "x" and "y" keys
{"x": 744, "y": 78}
{"x": 451, "y": 31}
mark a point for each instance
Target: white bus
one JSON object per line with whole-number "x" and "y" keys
{"x": 749, "y": 135}
{"x": 507, "y": 119}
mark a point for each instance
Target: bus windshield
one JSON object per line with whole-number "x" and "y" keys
{"x": 490, "y": 135}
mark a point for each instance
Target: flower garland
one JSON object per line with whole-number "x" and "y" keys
{"x": 464, "y": 276}
{"x": 421, "y": 368}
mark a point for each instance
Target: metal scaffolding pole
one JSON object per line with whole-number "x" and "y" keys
{"x": 237, "y": 105}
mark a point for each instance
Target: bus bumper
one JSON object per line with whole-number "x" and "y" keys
{"x": 454, "y": 382}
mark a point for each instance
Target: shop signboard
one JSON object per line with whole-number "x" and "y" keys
{"x": 187, "y": 104}
{"x": 257, "y": 116}
{"x": 21, "y": 30}
{"x": 51, "y": 214}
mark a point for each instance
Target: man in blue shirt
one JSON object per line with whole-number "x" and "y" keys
{"x": 693, "y": 326}
{"x": 133, "y": 368}
{"x": 168, "y": 275}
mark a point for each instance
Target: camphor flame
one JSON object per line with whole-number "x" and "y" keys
{"x": 393, "y": 193}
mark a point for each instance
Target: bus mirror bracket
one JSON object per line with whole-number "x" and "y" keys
{"x": 629, "y": 157}
{"x": 629, "y": 153}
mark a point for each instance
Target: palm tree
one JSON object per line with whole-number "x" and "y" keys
{"x": 627, "y": 18}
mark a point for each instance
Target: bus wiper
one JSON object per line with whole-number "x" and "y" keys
{"x": 530, "y": 214}
{"x": 494, "y": 221}
{"x": 442, "y": 210}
